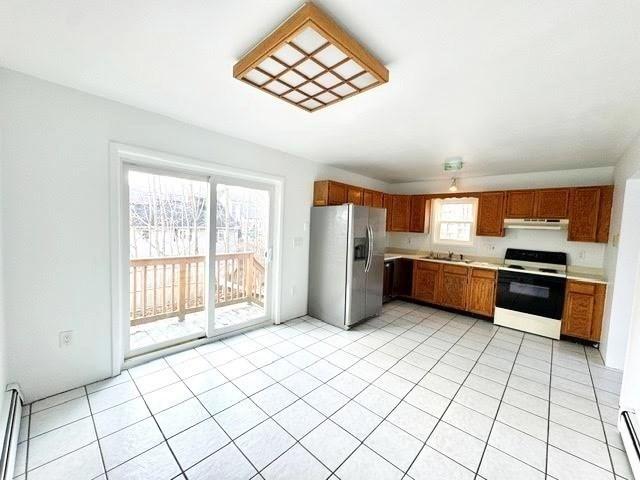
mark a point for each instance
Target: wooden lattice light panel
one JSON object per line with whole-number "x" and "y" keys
{"x": 310, "y": 62}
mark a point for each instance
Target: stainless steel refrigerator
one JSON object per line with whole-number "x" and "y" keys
{"x": 346, "y": 263}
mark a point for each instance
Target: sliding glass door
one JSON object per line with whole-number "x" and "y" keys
{"x": 195, "y": 271}
{"x": 242, "y": 253}
{"x": 168, "y": 257}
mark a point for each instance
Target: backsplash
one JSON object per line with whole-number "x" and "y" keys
{"x": 580, "y": 254}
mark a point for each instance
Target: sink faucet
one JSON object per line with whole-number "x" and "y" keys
{"x": 450, "y": 255}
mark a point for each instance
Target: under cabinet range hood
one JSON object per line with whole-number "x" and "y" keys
{"x": 536, "y": 223}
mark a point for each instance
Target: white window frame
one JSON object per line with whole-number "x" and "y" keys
{"x": 436, "y": 221}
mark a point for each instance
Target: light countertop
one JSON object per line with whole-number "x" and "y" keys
{"x": 587, "y": 277}
{"x": 572, "y": 274}
{"x": 468, "y": 263}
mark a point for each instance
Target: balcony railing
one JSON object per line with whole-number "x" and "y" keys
{"x": 175, "y": 286}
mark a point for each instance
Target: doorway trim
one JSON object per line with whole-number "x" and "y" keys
{"x": 122, "y": 155}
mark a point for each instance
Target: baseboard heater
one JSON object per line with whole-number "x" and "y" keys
{"x": 10, "y": 422}
{"x": 630, "y": 431}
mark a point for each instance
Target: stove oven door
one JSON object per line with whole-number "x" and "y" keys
{"x": 540, "y": 295}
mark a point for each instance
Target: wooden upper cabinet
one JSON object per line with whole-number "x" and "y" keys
{"x": 490, "y": 221}
{"x": 419, "y": 221}
{"x": 520, "y": 204}
{"x": 584, "y": 213}
{"x": 377, "y": 200}
{"x": 427, "y": 215}
{"x": 354, "y": 195}
{"x": 327, "y": 192}
{"x": 482, "y": 291}
{"x": 454, "y": 285}
{"x": 587, "y": 208}
{"x": 426, "y": 280}
{"x": 545, "y": 203}
{"x": 367, "y": 197}
{"x": 387, "y": 203}
{"x": 337, "y": 193}
{"x": 583, "y": 309}
{"x": 400, "y": 213}
{"x": 552, "y": 203}
{"x": 604, "y": 214}
{"x": 371, "y": 198}
{"x": 321, "y": 193}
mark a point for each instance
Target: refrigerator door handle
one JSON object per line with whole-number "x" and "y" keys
{"x": 371, "y": 239}
{"x": 369, "y": 248}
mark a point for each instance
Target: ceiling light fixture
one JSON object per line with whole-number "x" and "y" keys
{"x": 310, "y": 62}
{"x": 454, "y": 185}
{"x": 453, "y": 164}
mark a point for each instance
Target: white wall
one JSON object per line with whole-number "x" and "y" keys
{"x": 559, "y": 178}
{"x": 622, "y": 255}
{"x": 3, "y": 330}
{"x": 630, "y": 391}
{"x": 55, "y": 214}
{"x": 580, "y": 254}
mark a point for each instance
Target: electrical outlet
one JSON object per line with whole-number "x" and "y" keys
{"x": 65, "y": 338}
{"x": 297, "y": 242}
{"x": 582, "y": 255}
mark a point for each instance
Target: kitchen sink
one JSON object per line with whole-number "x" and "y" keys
{"x": 448, "y": 260}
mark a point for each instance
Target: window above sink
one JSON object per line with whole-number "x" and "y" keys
{"x": 454, "y": 221}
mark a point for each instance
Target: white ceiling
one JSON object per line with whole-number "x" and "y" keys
{"x": 510, "y": 85}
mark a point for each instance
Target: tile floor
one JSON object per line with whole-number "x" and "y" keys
{"x": 416, "y": 393}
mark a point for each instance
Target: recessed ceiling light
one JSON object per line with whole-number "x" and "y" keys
{"x": 310, "y": 57}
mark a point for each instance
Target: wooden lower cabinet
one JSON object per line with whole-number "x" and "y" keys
{"x": 403, "y": 276}
{"x": 454, "y": 287}
{"x": 387, "y": 283}
{"x": 482, "y": 291}
{"x": 583, "y": 309}
{"x": 398, "y": 279}
{"x": 426, "y": 279}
